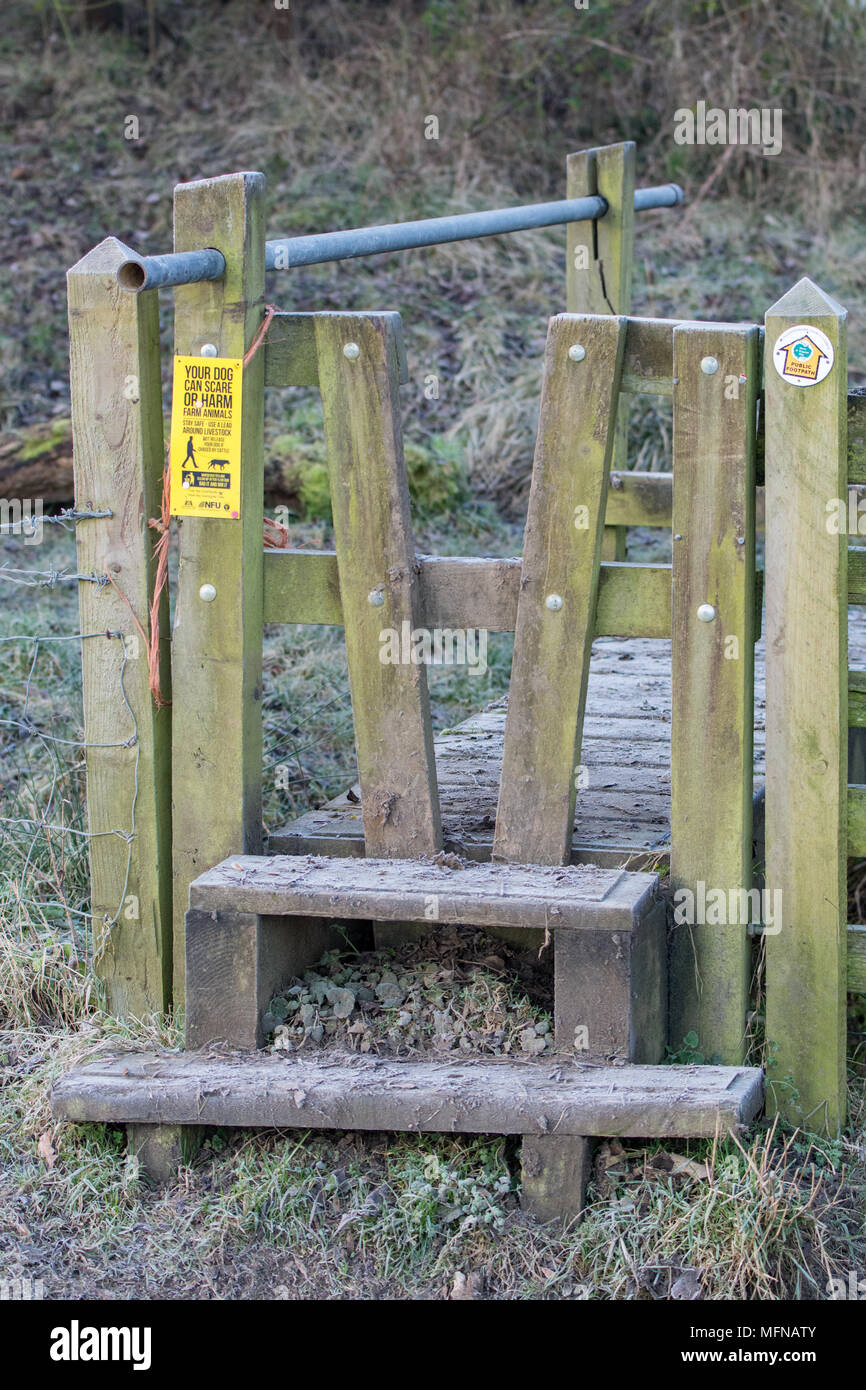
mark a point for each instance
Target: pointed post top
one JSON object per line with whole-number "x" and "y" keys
{"x": 806, "y": 300}
{"x": 104, "y": 259}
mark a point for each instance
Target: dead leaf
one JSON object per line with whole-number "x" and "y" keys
{"x": 464, "y": 1288}
{"x": 45, "y": 1149}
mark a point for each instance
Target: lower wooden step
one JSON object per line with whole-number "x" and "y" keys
{"x": 347, "y": 1091}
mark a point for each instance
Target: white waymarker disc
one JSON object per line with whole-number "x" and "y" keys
{"x": 803, "y": 355}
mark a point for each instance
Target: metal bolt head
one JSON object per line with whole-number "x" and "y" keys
{"x": 209, "y": 350}
{"x": 576, "y": 353}
{"x": 351, "y": 350}
{"x": 376, "y": 597}
{"x": 709, "y": 365}
{"x": 553, "y": 602}
{"x": 207, "y": 593}
{"x": 706, "y": 613}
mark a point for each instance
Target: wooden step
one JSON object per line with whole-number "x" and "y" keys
{"x": 444, "y": 890}
{"x": 348, "y": 1091}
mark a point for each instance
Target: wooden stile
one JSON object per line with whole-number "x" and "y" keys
{"x": 713, "y": 671}
{"x": 807, "y": 737}
{"x": 118, "y": 462}
{"x": 217, "y": 646}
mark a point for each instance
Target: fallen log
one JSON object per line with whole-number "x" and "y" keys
{"x": 36, "y": 462}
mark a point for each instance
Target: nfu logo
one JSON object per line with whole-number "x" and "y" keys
{"x": 21, "y": 517}
{"x": 77, "y": 1343}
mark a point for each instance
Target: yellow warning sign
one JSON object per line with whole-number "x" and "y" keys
{"x": 205, "y": 447}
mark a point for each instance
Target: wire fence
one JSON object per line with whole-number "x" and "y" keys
{"x": 44, "y": 831}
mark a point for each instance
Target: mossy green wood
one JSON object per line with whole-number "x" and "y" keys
{"x": 303, "y": 586}
{"x": 599, "y": 281}
{"x": 217, "y": 646}
{"x": 376, "y": 559}
{"x": 856, "y": 965}
{"x": 558, "y": 590}
{"x": 713, "y": 672}
{"x": 856, "y": 800}
{"x": 856, "y": 700}
{"x": 856, "y": 446}
{"x": 118, "y": 462}
{"x": 807, "y": 737}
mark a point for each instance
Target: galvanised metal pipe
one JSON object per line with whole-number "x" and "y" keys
{"x": 176, "y": 268}
{"x": 189, "y": 267}
{"x": 435, "y": 231}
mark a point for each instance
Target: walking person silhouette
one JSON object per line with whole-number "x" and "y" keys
{"x": 190, "y": 455}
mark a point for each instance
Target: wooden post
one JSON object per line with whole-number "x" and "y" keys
{"x": 807, "y": 716}
{"x": 217, "y": 646}
{"x": 716, "y": 379}
{"x": 118, "y": 461}
{"x": 558, "y": 590}
{"x": 598, "y": 269}
{"x": 379, "y": 588}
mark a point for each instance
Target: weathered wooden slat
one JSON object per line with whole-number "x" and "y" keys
{"x": 217, "y": 646}
{"x": 499, "y": 895}
{"x": 856, "y": 442}
{"x": 856, "y": 959}
{"x": 378, "y": 581}
{"x": 462, "y": 1097}
{"x": 857, "y": 699}
{"x": 303, "y": 586}
{"x": 290, "y": 350}
{"x": 713, "y": 667}
{"x": 558, "y": 590}
{"x": 856, "y": 820}
{"x": 118, "y": 463}
{"x": 857, "y": 574}
{"x": 807, "y": 735}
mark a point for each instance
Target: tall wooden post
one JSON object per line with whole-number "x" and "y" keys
{"x": 713, "y": 633}
{"x": 217, "y": 645}
{"x": 118, "y": 463}
{"x": 807, "y": 717}
{"x": 598, "y": 269}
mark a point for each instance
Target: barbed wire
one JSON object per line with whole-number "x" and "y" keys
{"x": 49, "y": 579}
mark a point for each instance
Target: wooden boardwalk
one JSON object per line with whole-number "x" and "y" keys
{"x": 623, "y": 811}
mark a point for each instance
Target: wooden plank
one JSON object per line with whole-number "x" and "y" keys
{"x": 388, "y": 890}
{"x": 856, "y": 445}
{"x": 857, "y": 574}
{"x": 856, "y": 954}
{"x": 303, "y": 586}
{"x": 649, "y": 357}
{"x": 217, "y": 646}
{"x": 561, "y": 554}
{"x": 340, "y": 1091}
{"x": 290, "y": 350}
{"x": 713, "y": 672}
{"x": 807, "y": 632}
{"x": 856, "y": 820}
{"x": 376, "y": 559}
{"x": 118, "y": 461}
{"x": 857, "y": 699}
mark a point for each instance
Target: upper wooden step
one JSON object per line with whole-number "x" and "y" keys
{"x": 345, "y": 1091}
{"x": 444, "y": 889}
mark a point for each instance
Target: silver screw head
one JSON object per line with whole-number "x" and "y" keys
{"x": 576, "y": 353}
{"x": 209, "y": 350}
{"x": 207, "y": 593}
{"x": 553, "y": 602}
{"x": 709, "y": 365}
{"x": 706, "y": 613}
{"x": 351, "y": 350}
{"x": 376, "y": 597}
